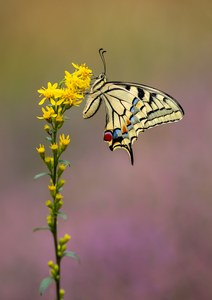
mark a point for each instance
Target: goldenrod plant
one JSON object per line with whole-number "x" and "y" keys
{"x": 56, "y": 100}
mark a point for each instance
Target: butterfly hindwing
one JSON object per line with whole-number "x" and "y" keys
{"x": 130, "y": 108}
{"x": 123, "y": 116}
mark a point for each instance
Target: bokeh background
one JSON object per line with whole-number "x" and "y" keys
{"x": 142, "y": 232}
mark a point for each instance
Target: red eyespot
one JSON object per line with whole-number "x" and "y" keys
{"x": 108, "y": 136}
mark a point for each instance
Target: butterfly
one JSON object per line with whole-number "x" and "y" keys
{"x": 131, "y": 108}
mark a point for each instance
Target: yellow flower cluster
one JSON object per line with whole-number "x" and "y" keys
{"x": 69, "y": 93}
{"x": 54, "y": 268}
{"x": 57, "y": 149}
{"x": 61, "y": 248}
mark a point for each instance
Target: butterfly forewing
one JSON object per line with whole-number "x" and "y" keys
{"x": 130, "y": 109}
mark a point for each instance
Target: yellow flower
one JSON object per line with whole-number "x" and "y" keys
{"x": 48, "y": 113}
{"x": 50, "y": 92}
{"x": 52, "y": 188}
{"x": 57, "y": 102}
{"x": 64, "y": 141}
{"x": 71, "y": 94}
{"x": 47, "y": 128}
{"x": 68, "y": 78}
{"x": 62, "y": 167}
{"x": 58, "y": 197}
{"x": 75, "y": 83}
{"x": 41, "y": 149}
{"x": 59, "y": 119}
{"x": 51, "y": 263}
{"x": 49, "y": 220}
{"x": 82, "y": 76}
{"x": 82, "y": 71}
{"x": 67, "y": 237}
{"x": 49, "y": 203}
{"x": 49, "y": 161}
{"x": 60, "y": 183}
{"x": 54, "y": 146}
{"x": 62, "y": 292}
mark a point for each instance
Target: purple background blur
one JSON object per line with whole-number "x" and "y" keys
{"x": 142, "y": 232}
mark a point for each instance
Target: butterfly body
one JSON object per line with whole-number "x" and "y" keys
{"x": 130, "y": 108}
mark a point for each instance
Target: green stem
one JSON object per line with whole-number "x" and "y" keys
{"x": 54, "y": 231}
{"x": 54, "y": 175}
{"x": 57, "y": 281}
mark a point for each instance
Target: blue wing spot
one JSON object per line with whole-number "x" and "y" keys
{"x": 125, "y": 135}
{"x": 116, "y": 134}
{"x": 134, "y": 120}
{"x": 135, "y": 101}
{"x": 130, "y": 127}
{"x": 134, "y": 110}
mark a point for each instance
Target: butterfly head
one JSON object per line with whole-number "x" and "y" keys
{"x": 98, "y": 83}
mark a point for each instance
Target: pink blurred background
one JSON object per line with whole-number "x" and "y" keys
{"x": 142, "y": 232}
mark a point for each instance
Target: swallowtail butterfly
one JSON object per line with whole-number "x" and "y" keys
{"x": 130, "y": 108}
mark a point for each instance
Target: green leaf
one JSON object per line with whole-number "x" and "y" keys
{"x": 65, "y": 162}
{"x": 62, "y": 215}
{"x": 45, "y": 283}
{"x": 72, "y": 255}
{"x": 40, "y": 228}
{"x": 40, "y": 175}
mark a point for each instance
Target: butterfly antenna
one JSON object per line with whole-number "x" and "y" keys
{"x": 101, "y": 53}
